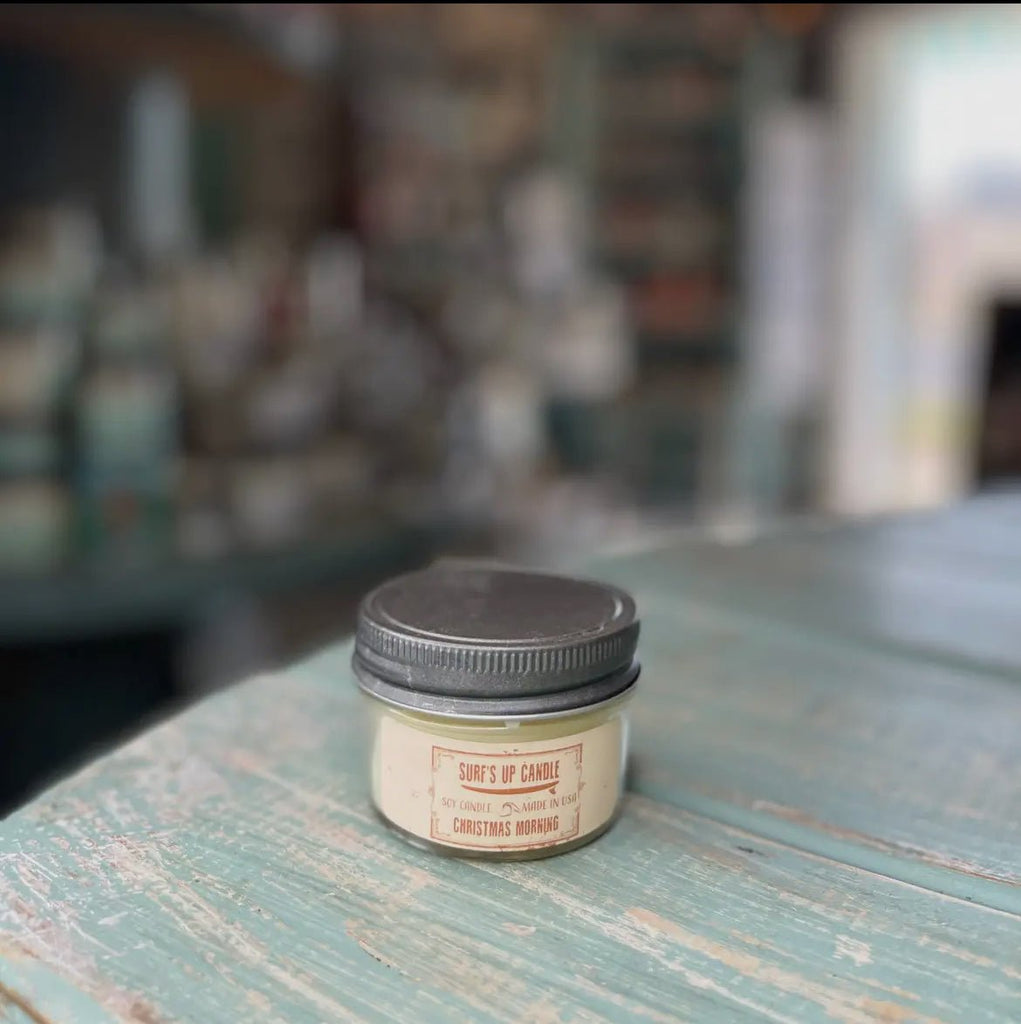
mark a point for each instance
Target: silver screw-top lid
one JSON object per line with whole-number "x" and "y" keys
{"x": 462, "y": 639}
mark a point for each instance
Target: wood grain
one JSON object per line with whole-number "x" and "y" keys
{"x": 896, "y": 587}
{"x": 898, "y": 765}
{"x": 227, "y": 867}
{"x": 823, "y": 824}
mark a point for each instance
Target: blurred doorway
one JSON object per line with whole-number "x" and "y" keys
{"x": 999, "y": 434}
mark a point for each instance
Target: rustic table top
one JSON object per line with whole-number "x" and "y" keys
{"x": 823, "y": 823}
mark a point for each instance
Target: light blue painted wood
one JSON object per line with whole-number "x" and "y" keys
{"x": 227, "y": 867}
{"x": 905, "y": 767}
{"x": 818, "y": 829}
{"x": 869, "y": 587}
{"x": 27, "y": 984}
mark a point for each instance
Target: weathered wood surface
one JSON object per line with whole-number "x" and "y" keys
{"x": 945, "y": 586}
{"x": 903, "y": 767}
{"x": 819, "y": 828}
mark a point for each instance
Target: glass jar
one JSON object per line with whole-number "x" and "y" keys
{"x": 498, "y": 707}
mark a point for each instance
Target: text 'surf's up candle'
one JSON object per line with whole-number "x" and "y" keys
{"x": 498, "y": 703}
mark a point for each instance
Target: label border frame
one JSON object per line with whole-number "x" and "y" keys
{"x": 579, "y": 746}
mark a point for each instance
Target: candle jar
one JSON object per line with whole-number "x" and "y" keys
{"x": 498, "y": 706}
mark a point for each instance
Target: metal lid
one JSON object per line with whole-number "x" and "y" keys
{"x": 460, "y": 639}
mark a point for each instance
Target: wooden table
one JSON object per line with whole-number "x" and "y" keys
{"x": 824, "y": 823}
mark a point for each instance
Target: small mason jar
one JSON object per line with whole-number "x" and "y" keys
{"x": 498, "y": 702}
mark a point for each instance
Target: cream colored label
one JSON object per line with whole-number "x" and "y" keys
{"x": 497, "y": 796}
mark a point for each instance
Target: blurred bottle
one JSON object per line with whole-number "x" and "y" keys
{"x": 49, "y": 260}
{"x": 126, "y": 421}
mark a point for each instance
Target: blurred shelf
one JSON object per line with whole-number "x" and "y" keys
{"x": 713, "y": 190}
{"x": 225, "y": 61}
{"x": 79, "y": 603}
{"x": 631, "y": 266}
{"x": 665, "y": 169}
{"x": 711, "y": 127}
{"x": 639, "y": 50}
{"x": 660, "y": 350}
{"x": 418, "y": 268}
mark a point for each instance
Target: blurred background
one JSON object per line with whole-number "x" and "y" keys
{"x": 294, "y": 297}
